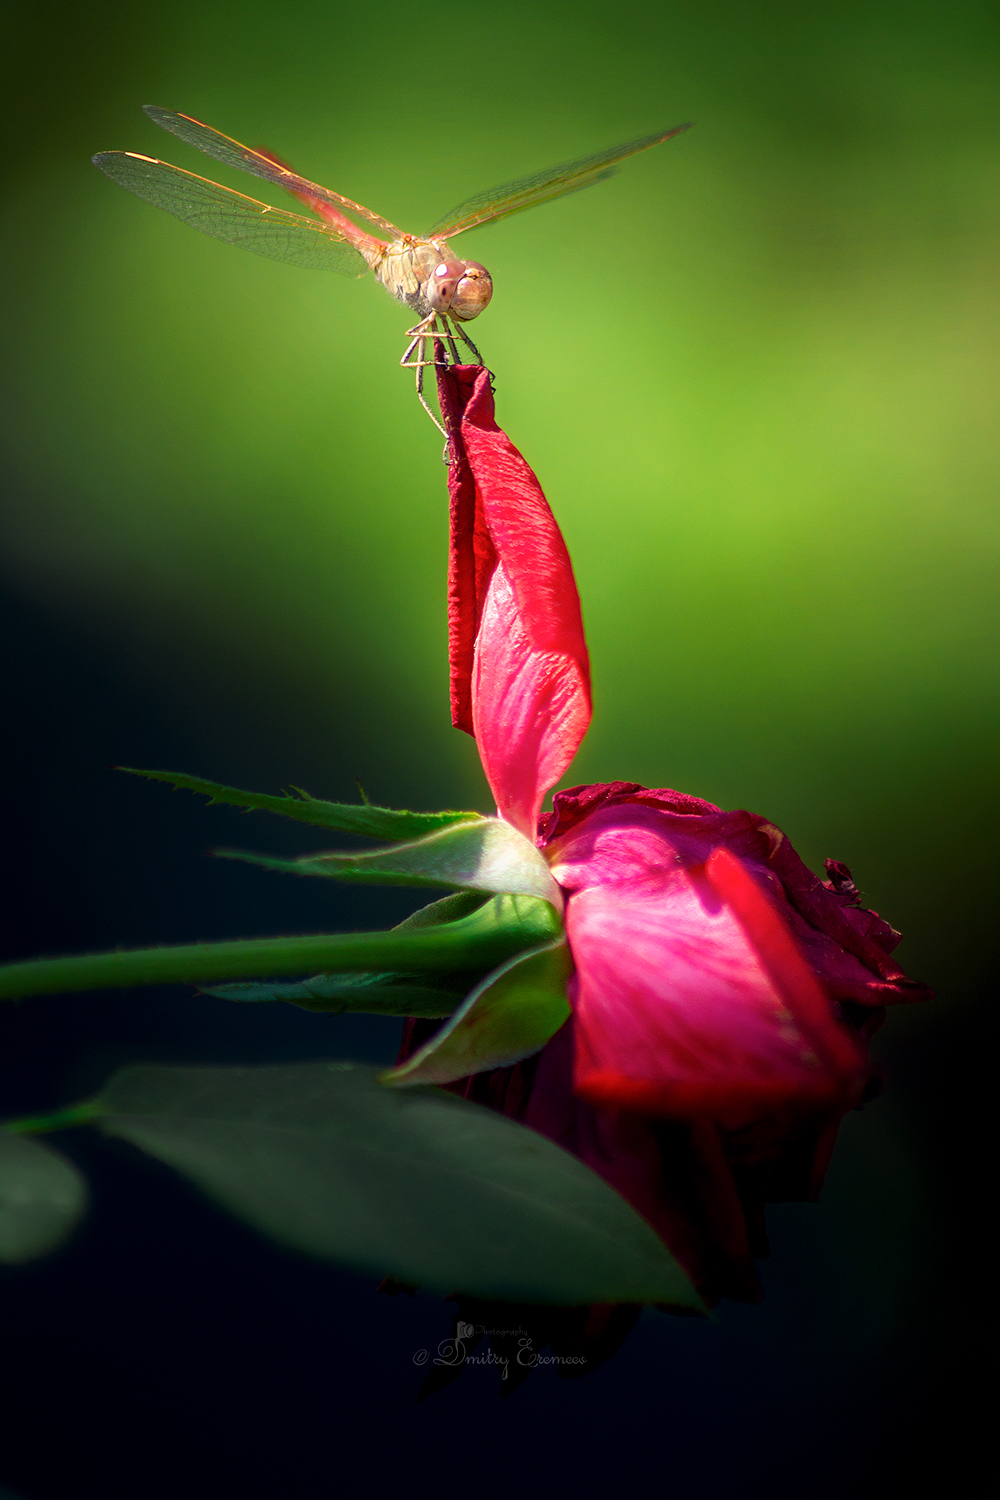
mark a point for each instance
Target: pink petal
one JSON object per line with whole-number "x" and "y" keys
{"x": 782, "y": 961}
{"x": 690, "y": 1001}
{"x": 520, "y": 673}
{"x": 621, "y": 831}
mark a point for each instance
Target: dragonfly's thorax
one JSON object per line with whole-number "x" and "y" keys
{"x": 405, "y": 269}
{"x": 425, "y": 276}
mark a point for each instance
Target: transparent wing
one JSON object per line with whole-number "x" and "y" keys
{"x": 525, "y": 192}
{"x": 244, "y": 159}
{"x": 230, "y": 216}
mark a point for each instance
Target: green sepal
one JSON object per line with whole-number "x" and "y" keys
{"x": 57, "y": 1119}
{"x": 507, "y": 1017}
{"x": 42, "y": 1196}
{"x": 479, "y": 941}
{"x": 375, "y": 994}
{"x": 364, "y": 994}
{"x": 445, "y": 909}
{"x": 366, "y": 820}
{"x": 411, "y": 1183}
{"x": 488, "y": 855}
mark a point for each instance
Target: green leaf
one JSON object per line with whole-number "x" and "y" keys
{"x": 364, "y": 994}
{"x": 479, "y": 941}
{"x": 42, "y": 1196}
{"x": 488, "y": 855}
{"x": 510, "y": 1015}
{"x": 371, "y": 822}
{"x": 415, "y": 1183}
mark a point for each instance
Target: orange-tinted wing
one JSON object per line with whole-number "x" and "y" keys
{"x": 525, "y": 192}
{"x": 218, "y": 211}
{"x": 244, "y": 159}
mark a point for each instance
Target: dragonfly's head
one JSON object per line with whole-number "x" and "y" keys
{"x": 460, "y": 288}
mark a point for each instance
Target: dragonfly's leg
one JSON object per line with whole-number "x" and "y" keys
{"x": 451, "y": 346}
{"x": 434, "y": 351}
{"x": 421, "y": 366}
{"x": 418, "y": 335}
{"x": 466, "y": 340}
{"x": 416, "y": 359}
{"x": 444, "y": 344}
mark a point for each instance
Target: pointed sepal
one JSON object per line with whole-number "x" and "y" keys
{"x": 357, "y": 994}
{"x": 374, "y": 994}
{"x": 508, "y": 1016}
{"x": 498, "y": 929}
{"x": 42, "y": 1196}
{"x": 488, "y": 855}
{"x": 366, "y": 820}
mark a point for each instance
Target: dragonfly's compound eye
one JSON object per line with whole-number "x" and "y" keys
{"x": 442, "y": 284}
{"x": 473, "y": 292}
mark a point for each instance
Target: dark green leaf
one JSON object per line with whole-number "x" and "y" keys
{"x": 411, "y": 1183}
{"x": 510, "y": 1015}
{"x": 479, "y": 941}
{"x": 371, "y": 822}
{"x": 42, "y": 1196}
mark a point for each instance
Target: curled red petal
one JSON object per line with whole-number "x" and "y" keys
{"x": 520, "y": 673}
{"x": 782, "y": 961}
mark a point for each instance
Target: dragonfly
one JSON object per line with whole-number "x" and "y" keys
{"x": 420, "y": 271}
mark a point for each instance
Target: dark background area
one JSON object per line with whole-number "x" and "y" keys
{"x": 775, "y": 458}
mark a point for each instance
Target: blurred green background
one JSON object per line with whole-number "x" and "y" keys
{"x": 756, "y": 374}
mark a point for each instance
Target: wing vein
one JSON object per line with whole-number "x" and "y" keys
{"x": 226, "y": 215}
{"x": 527, "y": 192}
{"x": 232, "y": 154}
